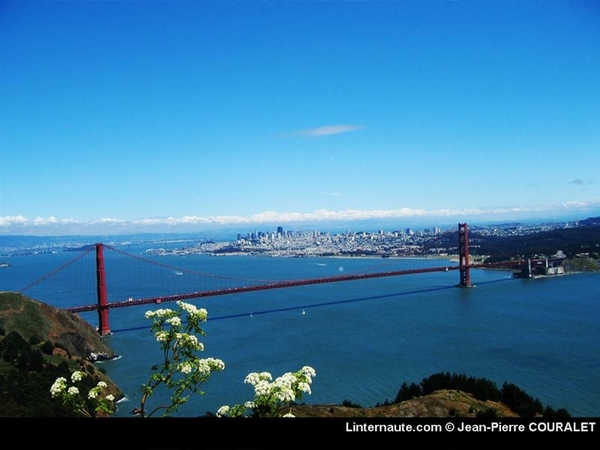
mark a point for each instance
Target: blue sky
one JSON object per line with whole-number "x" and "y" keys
{"x": 121, "y": 116}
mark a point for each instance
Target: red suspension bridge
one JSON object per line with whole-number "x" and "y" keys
{"x": 96, "y": 298}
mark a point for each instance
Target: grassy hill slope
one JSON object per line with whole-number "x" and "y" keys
{"x": 38, "y": 344}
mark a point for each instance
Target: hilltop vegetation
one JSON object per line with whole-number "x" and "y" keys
{"x": 445, "y": 395}
{"x": 582, "y": 241}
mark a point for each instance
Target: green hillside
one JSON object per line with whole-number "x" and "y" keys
{"x": 38, "y": 344}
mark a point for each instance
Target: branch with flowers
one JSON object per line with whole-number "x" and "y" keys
{"x": 181, "y": 370}
{"x": 96, "y": 403}
{"x": 271, "y": 398}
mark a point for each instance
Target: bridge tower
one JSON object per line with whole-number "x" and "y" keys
{"x": 463, "y": 255}
{"x": 103, "y": 327}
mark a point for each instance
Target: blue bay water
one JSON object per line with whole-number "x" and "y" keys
{"x": 364, "y": 338}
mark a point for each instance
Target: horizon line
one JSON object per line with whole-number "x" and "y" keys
{"x": 20, "y": 224}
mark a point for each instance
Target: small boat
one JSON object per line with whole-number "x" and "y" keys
{"x": 303, "y": 312}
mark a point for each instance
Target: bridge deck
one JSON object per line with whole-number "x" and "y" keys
{"x": 285, "y": 284}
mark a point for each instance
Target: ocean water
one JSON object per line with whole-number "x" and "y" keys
{"x": 364, "y": 338}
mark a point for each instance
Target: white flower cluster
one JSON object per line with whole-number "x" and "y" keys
{"x": 304, "y": 387}
{"x": 255, "y": 377}
{"x": 305, "y": 376}
{"x": 309, "y": 373}
{"x": 174, "y": 321}
{"x": 162, "y": 336}
{"x": 58, "y": 387}
{"x": 284, "y": 387}
{"x": 77, "y": 376}
{"x": 213, "y": 364}
{"x": 223, "y": 411}
{"x": 204, "y": 366}
{"x": 193, "y": 311}
{"x": 73, "y": 390}
{"x": 93, "y": 393}
{"x": 185, "y": 367}
{"x": 189, "y": 341}
{"x": 96, "y": 391}
{"x": 283, "y": 390}
{"x": 72, "y": 395}
{"x": 164, "y": 313}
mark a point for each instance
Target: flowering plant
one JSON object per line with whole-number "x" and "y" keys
{"x": 91, "y": 405}
{"x": 272, "y": 397}
{"x": 181, "y": 370}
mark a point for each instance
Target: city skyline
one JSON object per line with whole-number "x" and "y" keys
{"x": 130, "y": 117}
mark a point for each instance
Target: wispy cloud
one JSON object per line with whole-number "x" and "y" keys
{"x": 327, "y": 130}
{"x": 55, "y": 226}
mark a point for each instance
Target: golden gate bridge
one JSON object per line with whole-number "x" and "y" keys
{"x": 97, "y": 281}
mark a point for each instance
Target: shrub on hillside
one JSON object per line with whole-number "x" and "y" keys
{"x": 482, "y": 389}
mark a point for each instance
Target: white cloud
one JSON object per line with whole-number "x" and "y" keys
{"x": 328, "y": 130}
{"x": 55, "y": 226}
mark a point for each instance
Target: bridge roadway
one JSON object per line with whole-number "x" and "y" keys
{"x": 288, "y": 283}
